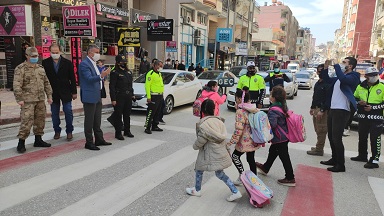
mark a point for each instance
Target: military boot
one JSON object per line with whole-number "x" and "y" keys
{"x": 40, "y": 143}
{"x": 315, "y": 152}
{"x": 21, "y": 146}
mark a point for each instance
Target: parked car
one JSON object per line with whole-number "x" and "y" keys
{"x": 180, "y": 87}
{"x": 294, "y": 67}
{"x": 304, "y": 79}
{"x": 311, "y": 71}
{"x": 207, "y": 76}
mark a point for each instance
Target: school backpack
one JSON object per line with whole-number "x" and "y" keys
{"x": 259, "y": 193}
{"x": 295, "y": 123}
{"x": 196, "y": 107}
{"x": 261, "y": 131}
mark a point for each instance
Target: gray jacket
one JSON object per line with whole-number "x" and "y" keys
{"x": 213, "y": 154}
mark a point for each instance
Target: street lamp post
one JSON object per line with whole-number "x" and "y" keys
{"x": 357, "y": 44}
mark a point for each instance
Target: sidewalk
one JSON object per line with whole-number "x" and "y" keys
{"x": 10, "y": 110}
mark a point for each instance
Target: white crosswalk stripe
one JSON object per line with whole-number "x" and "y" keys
{"x": 23, "y": 191}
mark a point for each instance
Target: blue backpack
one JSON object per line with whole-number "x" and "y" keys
{"x": 261, "y": 131}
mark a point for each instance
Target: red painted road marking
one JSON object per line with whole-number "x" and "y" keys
{"x": 28, "y": 158}
{"x": 313, "y": 194}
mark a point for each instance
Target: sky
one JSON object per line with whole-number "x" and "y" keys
{"x": 323, "y": 17}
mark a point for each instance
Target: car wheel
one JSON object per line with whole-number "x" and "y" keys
{"x": 230, "y": 108}
{"x": 296, "y": 92}
{"x": 169, "y": 103}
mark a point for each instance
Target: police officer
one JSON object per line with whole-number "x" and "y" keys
{"x": 255, "y": 83}
{"x": 30, "y": 86}
{"x": 154, "y": 88}
{"x": 121, "y": 91}
{"x": 370, "y": 98}
{"x": 276, "y": 77}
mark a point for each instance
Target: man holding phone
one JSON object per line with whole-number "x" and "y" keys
{"x": 91, "y": 92}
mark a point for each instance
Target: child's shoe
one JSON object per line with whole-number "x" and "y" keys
{"x": 234, "y": 196}
{"x": 238, "y": 182}
{"x": 192, "y": 191}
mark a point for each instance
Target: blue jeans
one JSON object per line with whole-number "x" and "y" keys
{"x": 67, "y": 109}
{"x": 219, "y": 174}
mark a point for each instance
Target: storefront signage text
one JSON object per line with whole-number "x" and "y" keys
{"x": 140, "y": 18}
{"x": 129, "y": 37}
{"x": 80, "y": 21}
{"x": 16, "y": 20}
{"x": 160, "y": 30}
{"x": 109, "y": 10}
{"x": 70, "y": 2}
{"x": 224, "y": 35}
{"x": 269, "y": 53}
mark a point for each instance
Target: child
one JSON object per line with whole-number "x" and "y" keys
{"x": 242, "y": 135}
{"x": 213, "y": 153}
{"x": 279, "y": 143}
{"x": 210, "y": 91}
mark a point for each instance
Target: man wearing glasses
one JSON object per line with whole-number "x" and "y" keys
{"x": 30, "y": 86}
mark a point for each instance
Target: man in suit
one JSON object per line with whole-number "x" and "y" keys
{"x": 91, "y": 90}
{"x": 61, "y": 75}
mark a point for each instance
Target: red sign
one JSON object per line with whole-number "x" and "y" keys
{"x": 15, "y": 20}
{"x": 46, "y": 52}
{"x": 79, "y": 21}
{"x": 171, "y": 44}
{"x": 39, "y": 50}
{"x": 76, "y": 55}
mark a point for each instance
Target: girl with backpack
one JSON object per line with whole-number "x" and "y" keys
{"x": 213, "y": 151}
{"x": 211, "y": 91}
{"x": 279, "y": 143}
{"x": 242, "y": 135}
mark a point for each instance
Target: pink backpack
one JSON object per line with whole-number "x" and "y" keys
{"x": 295, "y": 122}
{"x": 259, "y": 193}
{"x": 196, "y": 107}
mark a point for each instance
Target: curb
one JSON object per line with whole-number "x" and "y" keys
{"x": 48, "y": 115}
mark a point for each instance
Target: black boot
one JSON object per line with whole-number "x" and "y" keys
{"x": 21, "y": 146}
{"x": 40, "y": 143}
{"x": 128, "y": 134}
{"x": 118, "y": 135}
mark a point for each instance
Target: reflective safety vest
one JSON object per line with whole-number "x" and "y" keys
{"x": 374, "y": 96}
{"x": 254, "y": 83}
{"x": 153, "y": 83}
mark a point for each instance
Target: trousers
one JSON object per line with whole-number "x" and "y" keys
{"x": 337, "y": 119}
{"x": 32, "y": 114}
{"x": 219, "y": 174}
{"x": 321, "y": 129}
{"x": 374, "y": 129}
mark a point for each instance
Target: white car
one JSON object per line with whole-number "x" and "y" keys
{"x": 180, "y": 87}
{"x": 215, "y": 75}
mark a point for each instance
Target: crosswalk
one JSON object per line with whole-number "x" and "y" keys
{"x": 124, "y": 192}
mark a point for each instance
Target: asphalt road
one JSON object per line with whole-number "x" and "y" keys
{"x": 148, "y": 174}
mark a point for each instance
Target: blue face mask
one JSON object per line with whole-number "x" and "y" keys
{"x": 34, "y": 60}
{"x": 276, "y": 69}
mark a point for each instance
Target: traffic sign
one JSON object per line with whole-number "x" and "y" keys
{"x": 224, "y": 35}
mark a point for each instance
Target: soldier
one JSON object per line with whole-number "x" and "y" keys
{"x": 30, "y": 86}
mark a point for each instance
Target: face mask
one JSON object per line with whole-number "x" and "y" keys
{"x": 343, "y": 67}
{"x": 276, "y": 70}
{"x": 123, "y": 65}
{"x": 373, "y": 79}
{"x": 55, "y": 56}
{"x": 144, "y": 59}
{"x": 160, "y": 69}
{"x": 96, "y": 57}
{"x": 34, "y": 60}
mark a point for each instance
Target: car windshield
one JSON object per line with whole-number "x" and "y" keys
{"x": 237, "y": 71}
{"x": 167, "y": 78}
{"x": 292, "y": 67}
{"x": 289, "y": 75}
{"x": 303, "y": 75}
{"x": 263, "y": 74}
{"x": 210, "y": 75}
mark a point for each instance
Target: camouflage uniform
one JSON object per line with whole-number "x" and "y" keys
{"x": 30, "y": 85}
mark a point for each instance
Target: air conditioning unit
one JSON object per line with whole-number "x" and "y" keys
{"x": 198, "y": 42}
{"x": 197, "y": 33}
{"x": 186, "y": 20}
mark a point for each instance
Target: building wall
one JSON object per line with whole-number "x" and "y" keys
{"x": 364, "y": 21}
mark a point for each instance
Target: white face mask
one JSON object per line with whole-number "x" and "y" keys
{"x": 96, "y": 57}
{"x": 373, "y": 79}
{"x": 160, "y": 69}
{"x": 343, "y": 67}
{"x": 55, "y": 56}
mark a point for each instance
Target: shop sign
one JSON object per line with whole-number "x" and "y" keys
{"x": 114, "y": 3}
{"x": 79, "y": 21}
{"x": 16, "y": 20}
{"x": 224, "y": 35}
{"x": 140, "y": 18}
{"x": 76, "y": 55}
{"x": 70, "y": 2}
{"x": 171, "y": 46}
{"x": 269, "y": 53}
{"x": 241, "y": 49}
{"x": 160, "y": 30}
{"x": 13, "y": 57}
{"x": 131, "y": 58}
{"x": 112, "y": 12}
{"x": 46, "y": 53}
{"x": 46, "y": 40}
{"x": 129, "y": 37}
{"x": 45, "y": 22}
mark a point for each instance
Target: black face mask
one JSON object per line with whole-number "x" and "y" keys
{"x": 123, "y": 65}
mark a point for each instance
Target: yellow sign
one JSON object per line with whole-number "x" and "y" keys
{"x": 131, "y": 58}
{"x": 129, "y": 37}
